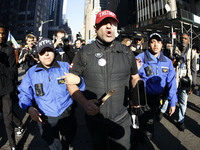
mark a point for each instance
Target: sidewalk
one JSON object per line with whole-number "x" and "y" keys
{"x": 167, "y": 136}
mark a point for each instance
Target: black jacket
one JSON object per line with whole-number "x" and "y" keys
{"x": 29, "y": 61}
{"x": 67, "y": 56}
{"x": 8, "y": 70}
{"x": 104, "y": 68}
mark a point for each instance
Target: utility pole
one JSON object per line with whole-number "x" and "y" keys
{"x": 41, "y": 26}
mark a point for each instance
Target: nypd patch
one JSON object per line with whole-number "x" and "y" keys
{"x": 61, "y": 81}
{"x": 165, "y": 69}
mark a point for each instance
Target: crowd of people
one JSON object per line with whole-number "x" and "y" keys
{"x": 60, "y": 75}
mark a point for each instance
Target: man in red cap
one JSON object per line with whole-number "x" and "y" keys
{"x": 105, "y": 65}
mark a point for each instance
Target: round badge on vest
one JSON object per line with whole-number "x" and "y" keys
{"x": 102, "y": 62}
{"x": 98, "y": 55}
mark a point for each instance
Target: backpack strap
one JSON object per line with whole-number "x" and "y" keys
{"x": 123, "y": 49}
{"x": 86, "y": 53}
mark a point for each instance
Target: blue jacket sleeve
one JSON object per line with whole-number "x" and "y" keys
{"x": 82, "y": 84}
{"x": 25, "y": 93}
{"x": 171, "y": 86}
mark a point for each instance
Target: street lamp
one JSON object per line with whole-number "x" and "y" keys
{"x": 41, "y": 26}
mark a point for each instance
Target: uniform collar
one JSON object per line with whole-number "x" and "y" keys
{"x": 54, "y": 64}
{"x": 154, "y": 57}
{"x": 148, "y": 58}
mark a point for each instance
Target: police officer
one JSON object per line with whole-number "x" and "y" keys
{"x": 158, "y": 74}
{"x": 138, "y": 43}
{"x": 54, "y": 110}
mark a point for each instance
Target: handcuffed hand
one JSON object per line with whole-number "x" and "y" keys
{"x": 91, "y": 107}
{"x": 139, "y": 63}
{"x": 133, "y": 48}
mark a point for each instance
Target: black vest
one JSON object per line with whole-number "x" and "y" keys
{"x": 108, "y": 68}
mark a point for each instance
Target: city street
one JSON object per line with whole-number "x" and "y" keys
{"x": 167, "y": 136}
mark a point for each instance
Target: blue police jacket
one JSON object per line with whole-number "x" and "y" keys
{"x": 43, "y": 86}
{"x": 159, "y": 76}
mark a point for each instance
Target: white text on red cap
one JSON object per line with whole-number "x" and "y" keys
{"x": 107, "y": 13}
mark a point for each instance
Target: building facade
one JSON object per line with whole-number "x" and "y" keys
{"x": 38, "y": 17}
{"x": 125, "y": 11}
{"x": 26, "y": 17}
{"x": 168, "y": 17}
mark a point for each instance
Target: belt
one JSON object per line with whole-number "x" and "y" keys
{"x": 154, "y": 96}
{"x": 67, "y": 112}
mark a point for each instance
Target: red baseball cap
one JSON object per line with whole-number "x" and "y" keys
{"x": 105, "y": 14}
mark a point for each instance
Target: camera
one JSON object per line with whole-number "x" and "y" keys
{"x": 167, "y": 52}
{"x": 32, "y": 51}
{"x": 65, "y": 42}
{"x": 29, "y": 53}
{"x": 133, "y": 45}
{"x": 178, "y": 58}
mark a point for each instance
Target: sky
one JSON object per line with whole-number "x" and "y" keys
{"x": 75, "y": 14}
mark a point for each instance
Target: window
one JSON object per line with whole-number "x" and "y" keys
{"x": 20, "y": 32}
{"x": 29, "y": 24}
{"x": 21, "y": 17}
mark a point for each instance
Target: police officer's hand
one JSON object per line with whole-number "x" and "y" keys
{"x": 34, "y": 114}
{"x": 172, "y": 110}
{"x": 139, "y": 63}
{"x": 91, "y": 107}
{"x": 71, "y": 78}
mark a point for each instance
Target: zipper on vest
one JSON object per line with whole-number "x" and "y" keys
{"x": 108, "y": 80}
